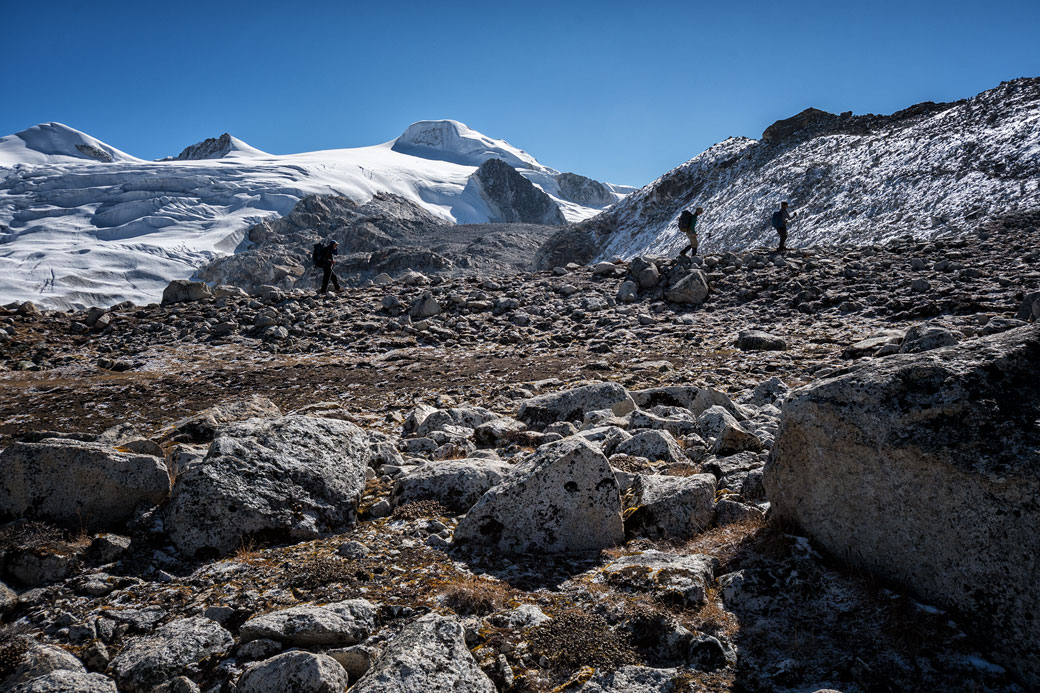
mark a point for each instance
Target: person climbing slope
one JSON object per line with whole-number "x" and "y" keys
{"x": 688, "y": 225}
{"x": 779, "y": 222}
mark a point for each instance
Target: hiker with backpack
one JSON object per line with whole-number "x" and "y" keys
{"x": 779, "y": 222}
{"x": 688, "y": 225}
{"x": 324, "y": 256}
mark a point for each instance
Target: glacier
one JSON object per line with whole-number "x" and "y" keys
{"x": 83, "y": 223}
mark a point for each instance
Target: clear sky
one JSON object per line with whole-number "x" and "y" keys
{"x": 618, "y": 91}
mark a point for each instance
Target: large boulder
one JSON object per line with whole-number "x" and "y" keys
{"x": 674, "y": 507}
{"x": 174, "y": 649}
{"x": 925, "y": 469}
{"x": 1030, "y": 307}
{"x": 341, "y": 623}
{"x": 429, "y": 656}
{"x": 295, "y": 477}
{"x": 180, "y": 290}
{"x": 927, "y": 337}
{"x": 571, "y": 405}
{"x": 757, "y": 340}
{"x": 300, "y": 672}
{"x": 79, "y": 485}
{"x": 696, "y": 399}
{"x": 457, "y": 484}
{"x": 563, "y": 498}
{"x": 37, "y": 660}
{"x": 653, "y": 445}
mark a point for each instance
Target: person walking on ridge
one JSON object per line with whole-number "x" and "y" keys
{"x": 688, "y": 225}
{"x": 779, "y": 221}
{"x": 325, "y": 258}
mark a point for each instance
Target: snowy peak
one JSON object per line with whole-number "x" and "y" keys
{"x": 49, "y": 143}
{"x": 452, "y": 141}
{"x": 217, "y": 148}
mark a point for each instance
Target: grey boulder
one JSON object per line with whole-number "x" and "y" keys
{"x": 292, "y": 478}
{"x": 927, "y": 337}
{"x": 572, "y": 405}
{"x": 297, "y": 671}
{"x": 729, "y": 436}
{"x": 676, "y": 507}
{"x": 64, "y": 680}
{"x": 457, "y": 484}
{"x": 429, "y": 656}
{"x": 332, "y": 625}
{"x": 925, "y": 469}
{"x": 180, "y": 290}
{"x": 692, "y": 289}
{"x": 563, "y": 498}
{"x": 174, "y": 649}
{"x": 632, "y": 679}
{"x": 77, "y": 484}
{"x": 757, "y": 340}
{"x": 674, "y": 579}
{"x": 653, "y": 445}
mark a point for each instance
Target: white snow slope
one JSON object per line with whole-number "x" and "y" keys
{"x": 929, "y": 170}
{"x": 82, "y": 223}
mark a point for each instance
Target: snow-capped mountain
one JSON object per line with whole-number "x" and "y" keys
{"x": 930, "y": 169}
{"x": 82, "y": 223}
{"x": 54, "y": 143}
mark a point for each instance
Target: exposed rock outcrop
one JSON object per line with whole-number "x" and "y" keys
{"x": 513, "y": 198}
{"x": 584, "y": 191}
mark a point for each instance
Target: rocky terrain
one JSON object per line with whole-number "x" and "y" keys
{"x": 386, "y": 236}
{"x": 927, "y": 170}
{"x": 586, "y": 478}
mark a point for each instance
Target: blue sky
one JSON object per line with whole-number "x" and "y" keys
{"x": 617, "y": 91}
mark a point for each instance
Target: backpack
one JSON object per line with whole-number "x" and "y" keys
{"x": 685, "y": 220}
{"x": 318, "y": 254}
{"x": 777, "y": 220}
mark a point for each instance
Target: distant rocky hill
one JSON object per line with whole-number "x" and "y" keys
{"x": 929, "y": 169}
{"x": 388, "y": 234}
{"x": 215, "y": 148}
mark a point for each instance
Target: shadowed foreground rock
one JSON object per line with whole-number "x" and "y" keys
{"x": 925, "y": 469}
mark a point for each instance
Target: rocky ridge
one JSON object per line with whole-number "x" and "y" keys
{"x": 924, "y": 171}
{"x": 621, "y": 384}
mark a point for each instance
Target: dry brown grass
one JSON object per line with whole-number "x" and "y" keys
{"x": 725, "y": 542}
{"x": 476, "y": 597}
{"x": 713, "y": 618}
{"x": 575, "y": 638}
{"x": 424, "y": 509}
